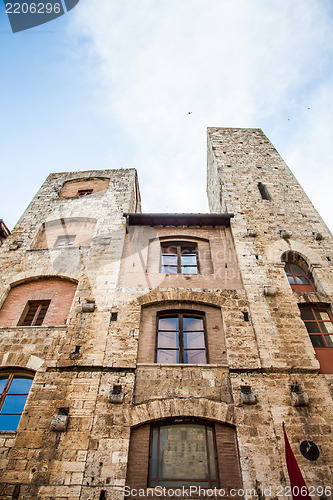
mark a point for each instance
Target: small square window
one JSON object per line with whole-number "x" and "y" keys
{"x": 65, "y": 241}
{"x": 179, "y": 258}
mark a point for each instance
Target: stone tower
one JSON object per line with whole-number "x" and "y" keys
{"x": 157, "y": 355}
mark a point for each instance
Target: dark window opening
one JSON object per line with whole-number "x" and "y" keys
{"x": 84, "y": 192}
{"x": 264, "y": 191}
{"x": 114, "y": 316}
{"x": 179, "y": 258}
{"x": 34, "y": 313}
{"x": 65, "y": 241}
{"x": 183, "y": 454}
{"x": 181, "y": 338}
{"x": 14, "y": 390}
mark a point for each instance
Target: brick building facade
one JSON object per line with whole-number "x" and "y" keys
{"x": 166, "y": 350}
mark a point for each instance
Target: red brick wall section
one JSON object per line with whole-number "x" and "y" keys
{"x": 215, "y": 333}
{"x": 60, "y": 292}
{"x": 82, "y": 229}
{"x": 228, "y": 461}
{"x": 71, "y": 188}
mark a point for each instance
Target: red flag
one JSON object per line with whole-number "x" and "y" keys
{"x": 298, "y": 487}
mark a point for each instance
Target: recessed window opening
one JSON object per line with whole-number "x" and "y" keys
{"x": 181, "y": 338}
{"x": 183, "y": 454}
{"x": 14, "y": 390}
{"x": 65, "y": 241}
{"x": 264, "y": 191}
{"x": 179, "y": 258}
{"x": 34, "y": 313}
{"x": 319, "y": 324}
{"x": 84, "y": 192}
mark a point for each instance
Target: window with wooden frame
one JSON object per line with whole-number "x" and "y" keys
{"x": 319, "y": 324}
{"x": 298, "y": 278}
{"x": 183, "y": 453}
{"x": 66, "y": 240}
{"x": 84, "y": 192}
{"x": 14, "y": 390}
{"x": 179, "y": 258}
{"x": 34, "y": 313}
{"x": 181, "y": 338}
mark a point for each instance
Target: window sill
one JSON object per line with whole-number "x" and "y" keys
{"x": 181, "y": 365}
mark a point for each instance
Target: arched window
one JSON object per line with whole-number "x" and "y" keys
{"x": 181, "y": 338}
{"x": 14, "y": 390}
{"x": 297, "y": 273}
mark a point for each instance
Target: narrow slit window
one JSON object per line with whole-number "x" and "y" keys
{"x": 34, "y": 313}
{"x": 264, "y": 191}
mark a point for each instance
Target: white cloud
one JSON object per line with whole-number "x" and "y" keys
{"x": 231, "y": 63}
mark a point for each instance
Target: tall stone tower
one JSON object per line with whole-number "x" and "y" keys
{"x": 157, "y": 355}
{"x": 285, "y": 253}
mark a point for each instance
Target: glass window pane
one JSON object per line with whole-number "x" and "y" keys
{"x": 329, "y": 340}
{"x": 297, "y": 269}
{"x": 170, "y": 357}
{"x": 168, "y": 340}
{"x": 192, "y": 324}
{"x": 189, "y": 260}
{"x": 183, "y": 453}
{"x": 327, "y": 327}
{"x": 169, "y": 260}
{"x": 322, "y": 314}
{"x": 301, "y": 280}
{"x": 9, "y": 422}
{"x": 14, "y": 404}
{"x": 169, "y": 269}
{"x": 20, "y": 385}
{"x": 169, "y": 250}
{"x": 211, "y": 452}
{"x": 195, "y": 357}
{"x": 307, "y": 314}
{"x": 189, "y": 270}
{"x": 169, "y": 324}
{"x": 188, "y": 251}
{"x": 312, "y": 327}
{"x": 3, "y": 382}
{"x": 194, "y": 340}
{"x": 291, "y": 280}
{"x": 154, "y": 454}
{"x": 287, "y": 269}
{"x": 317, "y": 341}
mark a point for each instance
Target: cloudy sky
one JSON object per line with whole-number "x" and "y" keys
{"x": 110, "y": 85}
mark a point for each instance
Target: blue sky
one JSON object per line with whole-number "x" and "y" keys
{"x": 109, "y": 85}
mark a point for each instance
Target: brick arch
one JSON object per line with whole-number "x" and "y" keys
{"x": 96, "y": 184}
{"x": 158, "y": 296}
{"x": 181, "y": 407}
{"x": 81, "y": 229}
{"x": 58, "y": 290}
{"x": 16, "y": 361}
